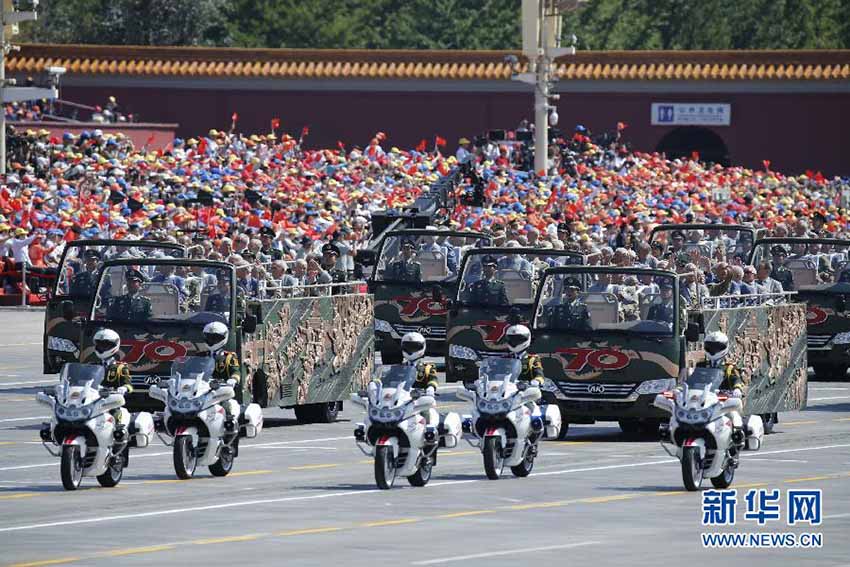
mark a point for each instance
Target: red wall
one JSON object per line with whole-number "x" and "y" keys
{"x": 795, "y": 131}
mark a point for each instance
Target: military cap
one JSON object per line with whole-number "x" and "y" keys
{"x": 778, "y": 250}
{"x": 133, "y": 274}
{"x": 91, "y": 254}
{"x": 677, "y": 234}
{"x": 572, "y": 283}
{"x": 665, "y": 284}
{"x": 267, "y": 231}
{"x": 330, "y": 247}
{"x": 489, "y": 261}
{"x": 408, "y": 242}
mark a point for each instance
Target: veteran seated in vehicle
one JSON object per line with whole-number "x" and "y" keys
{"x": 407, "y": 269}
{"x": 132, "y": 306}
{"x": 571, "y": 313}
{"x": 488, "y": 290}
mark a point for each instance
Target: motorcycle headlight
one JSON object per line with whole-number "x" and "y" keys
{"x": 681, "y": 414}
{"x": 60, "y": 344}
{"x": 482, "y": 405}
{"x": 373, "y": 412}
{"x": 506, "y": 405}
{"x": 398, "y": 414}
{"x": 841, "y": 339}
{"x": 173, "y": 403}
{"x": 60, "y": 410}
{"x": 656, "y": 386}
{"x": 462, "y": 352}
{"x": 705, "y": 415}
{"x": 383, "y": 326}
{"x": 86, "y": 411}
{"x": 197, "y": 404}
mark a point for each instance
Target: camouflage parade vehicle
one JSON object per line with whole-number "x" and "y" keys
{"x": 610, "y": 339}
{"x": 308, "y": 351}
{"x": 415, "y": 274}
{"x": 78, "y": 273}
{"x": 488, "y": 302}
{"x": 817, "y": 270}
{"x": 700, "y": 243}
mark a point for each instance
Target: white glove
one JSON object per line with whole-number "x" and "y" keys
{"x": 122, "y": 390}
{"x": 429, "y": 391}
{"x": 736, "y": 393}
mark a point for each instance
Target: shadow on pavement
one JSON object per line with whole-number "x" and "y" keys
{"x": 840, "y": 407}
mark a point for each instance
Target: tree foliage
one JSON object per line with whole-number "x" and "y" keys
{"x": 442, "y": 24}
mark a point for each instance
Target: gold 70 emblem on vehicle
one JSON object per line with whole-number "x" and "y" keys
{"x": 410, "y": 305}
{"x": 159, "y": 350}
{"x": 598, "y": 359}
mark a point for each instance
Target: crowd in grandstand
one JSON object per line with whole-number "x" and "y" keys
{"x": 290, "y": 214}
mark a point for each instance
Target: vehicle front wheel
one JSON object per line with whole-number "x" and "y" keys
{"x": 494, "y": 462}
{"x": 385, "y": 470}
{"x": 71, "y": 468}
{"x": 524, "y": 468}
{"x": 692, "y": 472}
{"x": 185, "y": 460}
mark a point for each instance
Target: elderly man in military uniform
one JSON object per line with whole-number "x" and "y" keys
{"x": 488, "y": 290}
{"x": 330, "y": 255}
{"x": 131, "y": 306}
{"x": 779, "y": 272}
{"x": 665, "y": 310}
{"x": 84, "y": 283}
{"x": 407, "y": 269}
{"x": 571, "y": 314}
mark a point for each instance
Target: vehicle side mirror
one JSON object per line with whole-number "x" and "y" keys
{"x": 68, "y": 310}
{"x": 841, "y": 304}
{"x": 249, "y": 324}
{"x": 692, "y": 333}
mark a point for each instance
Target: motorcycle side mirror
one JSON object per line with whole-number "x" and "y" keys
{"x": 249, "y": 324}
{"x": 68, "y": 310}
{"x": 424, "y": 402}
{"x": 532, "y": 394}
{"x": 841, "y": 304}
{"x": 692, "y": 332}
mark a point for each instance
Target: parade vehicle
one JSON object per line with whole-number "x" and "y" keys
{"x": 83, "y": 427}
{"x": 817, "y": 270}
{"x": 610, "y": 339}
{"x": 506, "y": 424}
{"x": 76, "y": 283}
{"x": 308, "y": 351}
{"x": 395, "y": 432}
{"x": 195, "y": 417}
{"x": 480, "y": 313}
{"x": 700, "y": 243}
{"x": 415, "y": 274}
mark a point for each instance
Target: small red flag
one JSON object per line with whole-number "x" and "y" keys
{"x": 621, "y": 126}
{"x": 341, "y": 145}
{"x": 766, "y": 164}
{"x": 275, "y": 123}
{"x": 695, "y": 156}
{"x": 151, "y": 138}
{"x": 234, "y": 118}
{"x": 423, "y": 144}
{"x": 304, "y": 131}
{"x": 440, "y": 141}
{"x": 381, "y": 136}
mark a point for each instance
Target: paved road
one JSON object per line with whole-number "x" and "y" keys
{"x": 304, "y": 495}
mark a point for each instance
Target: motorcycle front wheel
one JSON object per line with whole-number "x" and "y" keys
{"x": 385, "y": 470}
{"x": 494, "y": 462}
{"x": 185, "y": 460}
{"x": 71, "y": 469}
{"x": 691, "y": 468}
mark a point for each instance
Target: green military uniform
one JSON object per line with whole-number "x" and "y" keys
{"x": 405, "y": 271}
{"x": 84, "y": 284}
{"x": 532, "y": 370}
{"x": 488, "y": 292}
{"x": 572, "y": 316}
{"x": 426, "y": 375}
{"x": 226, "y": 366}
{"x": 130, "y": 308}
{"x": 117, "y": 375}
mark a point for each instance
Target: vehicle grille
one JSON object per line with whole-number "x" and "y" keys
{"x": 432, "y": 332}
{"x": 596, "y": 390}
{"x": 493, "y": 353}
{"x": 146, "y": 380}
{"x": 819, "y": 341}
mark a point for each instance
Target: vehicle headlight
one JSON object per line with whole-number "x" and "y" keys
{"x": 842, "y": 339}
{"x": 506, "y": 405}
{"x": 60, "y": 410}
{"x": 60, "y": 344}
{"x": 383, "y": 326}
{"x": 85, "y": 412}
{"x": 398, "y": 414}
{"x": 462, "y": 352}
{"x": 656, "y": 386}
{"x": 482, "y": 405}
{"x": 197, "y": 404}
{"x": 373, "y": 412}
{"x": 173, "y": 403}
{"x": 681, "y": 414}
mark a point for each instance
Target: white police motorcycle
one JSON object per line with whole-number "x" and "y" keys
{"x": 194, "y": 418}
{"x": 706, "y": 429}
{"x": 84, "y": 427}
{"x": 396, "y": 433}
{"x": 506, "y": 422}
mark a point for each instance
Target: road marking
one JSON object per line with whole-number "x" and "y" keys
{"x": 751, "y": 485}
{"x": 464, "y": 514}
{"x": 17, "y": 496}
{"x": 389, "y": 523}
{"x": 808, "y": 479}
{"x": 603, "y": 499}
{"x": 829, "y": 398}
{"x": 799, "y": 422}
{"x": 22, "y": 344}
{"x": 250, "y": 473}
{"x": 590, "y": 469}
{"x": 249, "y": 537}
{"x": 33, "y": 418}
{"x": 776, "y": 460}
{"x": 44, "y": 382}
{"x": 310, "y": 467}
{"x": 822, "y": 447}
{"x": 136, "y": 550}
{"x": 843, "y": 419}
{"x": 47, "y": 562}
{"x": 828, "y": 389}
{"x": 5, "y": 443}
{"x": 308, "y": 531}
{"x": 505, "y": 552}
{"x": 833, "y": 516}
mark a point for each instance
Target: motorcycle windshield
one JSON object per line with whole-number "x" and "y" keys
{"x": 705, "y": 376}
{"x": 192, "y": 366}
{"x": 504, "y": 369}
{"x": 78, "y": 375}
{"x": 396, "y": 375}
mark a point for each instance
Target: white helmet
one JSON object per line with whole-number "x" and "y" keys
{"x": 215, "y": 335}
{"x": 106, "y": 343}
{"x": 716, "y": 347}
{"x": 412, "y": 346}
{"x": 518, "y": 338}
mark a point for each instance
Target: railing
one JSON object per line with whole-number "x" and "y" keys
{"x": 312, "y": 290}
{"x": 25, "y": 279}
{"x": 748, "y": 300}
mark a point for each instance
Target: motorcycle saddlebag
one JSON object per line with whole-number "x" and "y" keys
{"x": 755, "y": 428}
{"x": 450, "y": 429}
{"x": 253, "y": 419}
{"x": 551, "y": 415}
{"x": 141, "y": 427}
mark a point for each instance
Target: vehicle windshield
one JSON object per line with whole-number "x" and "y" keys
{"x": 78, "y": 374}
{"x": 627, "y": 301}
{"x": 506, "y": 278}
{"x": 705, "y": 245}
{"x": 502, "y": 369}
{"x": 164, "y": 292}
{"x": 81, "y": 266}
{"x": 393, "y": 375}
{"x": 417, "y": 258}
{"x": 191, "y": 366}
{"x": 804, "y": 264}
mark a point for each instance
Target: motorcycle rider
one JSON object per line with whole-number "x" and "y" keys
{"x": 106, "y": 345}
{"x": 518, "y": 338}
{"x": 226, "y": 367}
{"x": 716, "y": 345}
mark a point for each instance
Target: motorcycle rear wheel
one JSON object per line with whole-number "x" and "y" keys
{"x": 385, "y": 470}
{"x": 71, "y": 468}
{"x": 494, "y": 462}
{"x": 185, "y": 460}
{"x": 524, "y": 468}
{"x": 724, "y": 479}
{"x": 224, "y": 464}
{"x": 113, "y": 474}
{"x": 692, "y": 472}
{"x": 422, "y": 474}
